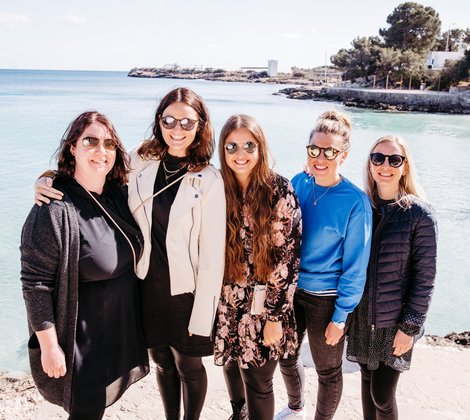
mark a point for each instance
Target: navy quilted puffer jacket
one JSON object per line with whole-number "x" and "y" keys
{"x": 402, "y": 265}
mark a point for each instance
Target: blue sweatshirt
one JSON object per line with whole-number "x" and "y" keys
{"x": 336, "y": 241}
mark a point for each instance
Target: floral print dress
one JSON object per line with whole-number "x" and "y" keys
{"x": 239, "y": 335}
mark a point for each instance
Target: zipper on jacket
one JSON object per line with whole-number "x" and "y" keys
{"x": 384, "y": 217}
{"x": 190, "y": 237}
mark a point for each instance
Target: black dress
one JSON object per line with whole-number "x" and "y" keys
{"x": 166, "y": 317}
{"x": 110, "y": 351}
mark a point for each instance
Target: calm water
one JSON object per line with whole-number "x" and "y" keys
{"x": 36, "y": 107}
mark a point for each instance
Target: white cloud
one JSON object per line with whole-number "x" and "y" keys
{"x": 12, "y": 19}
{"x": 76, "y": 19}
{"x": 291, "y": 35}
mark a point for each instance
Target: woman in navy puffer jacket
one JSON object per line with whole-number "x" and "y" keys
{"x": 400, "y": 278}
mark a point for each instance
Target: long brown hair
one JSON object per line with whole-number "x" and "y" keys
{"x": 65, "y": 159}
{"x": 259, "y": 200}
{"x": 407, "y": 186}
{"x": 201, "y": 150}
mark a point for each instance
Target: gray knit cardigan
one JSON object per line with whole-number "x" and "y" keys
{"x": 49, "y": 274}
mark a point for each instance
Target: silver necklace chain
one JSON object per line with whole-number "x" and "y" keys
{"x": 167, "y": 173}
{"x": 315, "y": 199}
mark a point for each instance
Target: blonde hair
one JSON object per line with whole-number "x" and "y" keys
{"x": 258, "y": 198}
{"x": 407, "y": 186}
{"x": 333, "y": 122}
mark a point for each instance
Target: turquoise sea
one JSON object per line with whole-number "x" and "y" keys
{"x": 36, "y": 107}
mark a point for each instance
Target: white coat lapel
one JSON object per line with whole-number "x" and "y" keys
{"x": 187, "y": 197}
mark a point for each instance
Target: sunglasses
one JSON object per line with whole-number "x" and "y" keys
{"x": 93, "y": 142}
{"x": 249, "y": 147}
{"x": 395, "y": 161}
{"x": 330, "y": 153}
{"x": 169, "y": 122}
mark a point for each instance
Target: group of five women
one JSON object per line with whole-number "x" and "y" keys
{"x": 224, "y": 264}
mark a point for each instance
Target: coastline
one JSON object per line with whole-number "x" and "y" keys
{"x": 436, "y": 387}
{"x": 220, "y": 75}
{"x": 319, "y": 90}
{"x": 386, "y": 100}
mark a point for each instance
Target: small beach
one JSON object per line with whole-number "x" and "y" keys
{"x": 436, "y": 388}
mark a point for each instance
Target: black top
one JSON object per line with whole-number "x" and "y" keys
{"x": 166, "y": 317}
{"x": 110, "y": 350}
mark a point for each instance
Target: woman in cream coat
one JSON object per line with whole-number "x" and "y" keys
{"x": 178, "y": 200}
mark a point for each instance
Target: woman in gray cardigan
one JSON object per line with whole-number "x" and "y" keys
{"x": 78, "y": 259}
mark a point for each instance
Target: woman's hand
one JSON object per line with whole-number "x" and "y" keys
{"x": 333, "y": 334}
{"x": 402, "y": 343}
{"x": 52, "y": 355}
{"x": 53, "y": 362}
{"x": 43, "y": 191}
{"x": 272, "y": 332}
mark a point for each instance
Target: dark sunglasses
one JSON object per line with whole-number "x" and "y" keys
{"x": 169, "y": 122}
{"x": 330, "y": 153}
{"x": 395, "y": 161}
{"x": 249, "y": 146}
{"x": 93, "y": 142}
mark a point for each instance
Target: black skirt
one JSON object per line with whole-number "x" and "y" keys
{"x": 166, "y": 317}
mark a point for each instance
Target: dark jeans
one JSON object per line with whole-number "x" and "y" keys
{"x": 254, "y": 384}
{"x": 176, "y": 371}
{"x": 313, "y": 314}
{"x": 378, "y": 389}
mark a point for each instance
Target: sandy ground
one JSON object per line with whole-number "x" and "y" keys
{"x": 436, "y": 388}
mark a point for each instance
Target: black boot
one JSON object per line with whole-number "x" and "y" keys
{"x": 240, "y": 410}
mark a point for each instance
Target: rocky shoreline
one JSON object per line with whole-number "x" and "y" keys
{"x": 218, "y": 75}
{"x": 445, "y": 384}
{"x": 318, "y": 90}
{"x": 388, "y": 100}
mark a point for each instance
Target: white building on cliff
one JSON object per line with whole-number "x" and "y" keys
{"x": 436, "y": 60}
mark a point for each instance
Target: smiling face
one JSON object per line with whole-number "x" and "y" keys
{"x": 177, "y": 139}
{"x": 386, "y": 177}
{"x": 326, "y": 172}
{"x": 241, "y": 162}
{"x": 92, "y": 164}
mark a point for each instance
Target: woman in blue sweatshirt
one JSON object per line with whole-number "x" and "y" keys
{"x": 337, "y": 220}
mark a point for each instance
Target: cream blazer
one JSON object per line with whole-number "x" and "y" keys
{"x": 195, "y": 239}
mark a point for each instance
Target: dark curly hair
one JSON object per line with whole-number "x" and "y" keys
{"x": 65, "y": 159}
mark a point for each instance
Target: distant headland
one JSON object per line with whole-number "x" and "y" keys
{"x": 220, "y": 75}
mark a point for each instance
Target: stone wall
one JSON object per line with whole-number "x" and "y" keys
{"x": 394, "y": 100}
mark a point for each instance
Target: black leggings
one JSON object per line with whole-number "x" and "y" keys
{"x": 79, "y": 415}
{"x": 378, "y": 389}
{"x": 175, "y": 371}
{"x": 254, "y": 384}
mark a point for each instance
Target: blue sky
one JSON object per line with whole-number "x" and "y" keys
{"x": 119, "y": 35}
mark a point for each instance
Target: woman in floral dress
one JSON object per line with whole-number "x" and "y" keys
{"x": 256, "y": 324}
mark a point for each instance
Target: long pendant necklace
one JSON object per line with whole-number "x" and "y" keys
{"x": 315, "y": 199}
{"x": 168, "y": 174}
